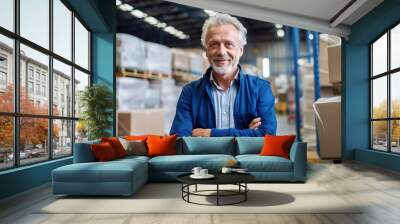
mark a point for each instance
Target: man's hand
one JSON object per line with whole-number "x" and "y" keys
{"x": 200, "y": 132}
{"x": 255, "y": 123}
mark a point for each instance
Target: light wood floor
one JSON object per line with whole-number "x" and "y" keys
{"x": 354, "y": 182}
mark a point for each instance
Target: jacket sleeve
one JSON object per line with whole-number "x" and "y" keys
{"x": 183, "y": 122}
{"x": 265, "y": 110}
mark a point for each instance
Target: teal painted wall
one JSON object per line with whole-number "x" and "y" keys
{"x": 99, "y": 15}
{"x": 103, "y": 53}
{"x": 355, "y": 104}
{"x": 27, "y": 177}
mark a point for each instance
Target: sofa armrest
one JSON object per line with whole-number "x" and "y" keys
{"x": 83, "y": 152}
{"x": 298, "y": 155}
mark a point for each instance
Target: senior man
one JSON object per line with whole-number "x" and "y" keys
{"x": 225, "y": 101}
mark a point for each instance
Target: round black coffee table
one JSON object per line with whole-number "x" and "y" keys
{"x": 238, "y": 179}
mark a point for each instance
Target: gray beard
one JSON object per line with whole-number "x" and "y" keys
{"x": 224, "y": 70}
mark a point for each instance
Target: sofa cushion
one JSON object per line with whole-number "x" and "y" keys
{"x": 257, "y": 163}
{"x": 130, "y": 158}
{"x": 83, "y": 152}
{"x": 111, "y": 171}
{"x": 249, "y": 145}
{"x": 208, "y": 145}
{"x": 185, "y": 163}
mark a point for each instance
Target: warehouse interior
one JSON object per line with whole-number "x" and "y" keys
{"x": 333, "y": 66}
{"x": 157, "y": 59}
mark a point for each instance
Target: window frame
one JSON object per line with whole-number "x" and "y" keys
{"x": 15, "y": 68}
{"x": 388, "y": 74}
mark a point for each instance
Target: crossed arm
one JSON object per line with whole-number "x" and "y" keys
{"x": 202, "y": 132}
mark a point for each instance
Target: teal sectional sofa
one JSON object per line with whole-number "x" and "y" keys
{"x": 125, "y": 176}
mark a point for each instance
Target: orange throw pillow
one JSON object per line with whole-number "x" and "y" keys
{"x": 135, "y": 137}
{"x": 277, "y": 145}
{"x": 116, "y": 145}
{"x": 161, "y": 145}
{"x": 103, "y": 151}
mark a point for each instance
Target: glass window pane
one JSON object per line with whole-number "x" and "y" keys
{"x": 379, "y": 98}
{"x": 395, "y": 47}
{"x": 34, "y": 97}
{"x": 81, "y": 45}
{"x": 62, "y": 29}
{"x": 395, "y": 136}
{"x": 81, "y": 131}
{"x": 33, "y": 139}
{"x": 6, "y": 142}
{"x": 395, "y": 94}
{"x": 6, "y": 74}
{"x": 35, "y": 21}
{"x": 62, "y": 89}
{"x": 62, "y": 138}
{"x": 7, "y": 14}
{"x": 379, "y": 55}
{"x": 81, "y": 81}
{"x": 379, "y": 135}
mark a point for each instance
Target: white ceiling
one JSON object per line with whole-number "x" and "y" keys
{"x": 317, "y": 15}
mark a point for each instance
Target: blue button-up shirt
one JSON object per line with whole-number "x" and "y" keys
{"x": 224, "y": 102}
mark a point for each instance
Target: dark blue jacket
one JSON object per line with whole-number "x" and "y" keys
{"x": 195, "y": 108}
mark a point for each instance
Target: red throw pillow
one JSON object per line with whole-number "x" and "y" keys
{"x": 103, "y": 151}
{"x": 116, "y": 145}
{"x": 161, "y": 145}
{"x": 277, "y": 145}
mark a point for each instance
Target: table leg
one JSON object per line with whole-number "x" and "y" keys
{"x": 217, "y": 194}
{"x": 188, "y": 190}
{"x": 245, "y": 191}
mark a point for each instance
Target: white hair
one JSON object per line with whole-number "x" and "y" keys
{"x": 220, "y": 19}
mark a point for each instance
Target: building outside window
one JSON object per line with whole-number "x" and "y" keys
{"x": 35, "y": 55}
{"x": 43, "y": 90}
{"x": 44, "y": 77}
{"x": 3, "y": 61}
{"x": 385, "y": 94}
{"x": 3, "y": 72}
{"x": 30, "y": 87}
{"x": 30, "y": 72}
{"x": 37, "y": 74}
{"x": 38, "y": 89}
{"x": 3, "y": 78}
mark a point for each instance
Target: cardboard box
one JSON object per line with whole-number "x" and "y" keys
{"x": 140, "y": 122}
{"x": 180, "y": 60}
{"x": 328, "y": 122}
{"x": 196, "y": 63}
{"x": 335, "y": 63}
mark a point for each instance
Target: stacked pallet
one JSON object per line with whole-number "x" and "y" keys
{"x": 187, "y": 65}
{"x": 307, "y": 101}
{"x": 131, "y": 53}
{"x": 140, "y": 59}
